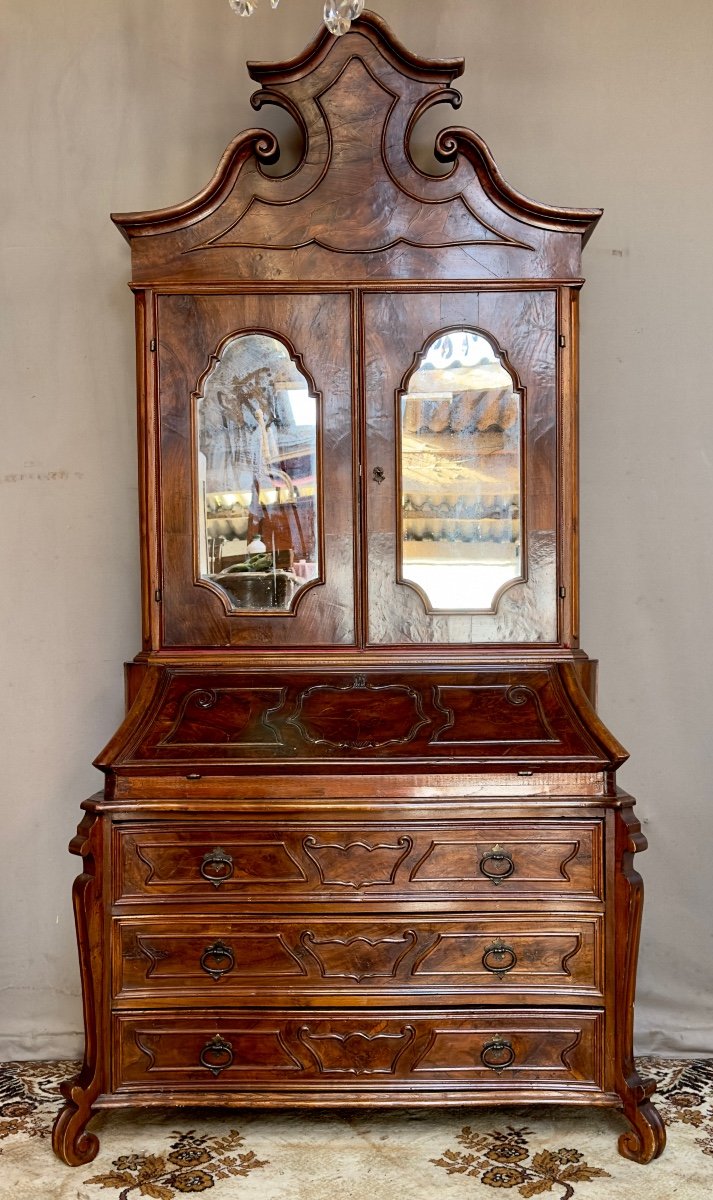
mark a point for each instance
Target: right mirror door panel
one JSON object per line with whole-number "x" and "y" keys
{"x": 460, "y": 479}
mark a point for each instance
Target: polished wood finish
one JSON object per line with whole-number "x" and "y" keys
{"x": 358, "y": 851}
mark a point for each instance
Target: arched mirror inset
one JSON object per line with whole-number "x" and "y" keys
{"x": 461, "y": 541}
{"x": 256, "y": 437}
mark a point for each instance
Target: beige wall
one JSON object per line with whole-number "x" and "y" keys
{"x": 128, "y": 104}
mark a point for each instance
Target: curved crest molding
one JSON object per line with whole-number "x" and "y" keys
{"x": 356, "y": 101}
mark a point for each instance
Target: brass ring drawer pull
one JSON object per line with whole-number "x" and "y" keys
{"x": 217, "y": 1055}
{"x": 213, "y": 955}
{"x": 496, "y": 857}
{"x": 499, "y": 958}
{"x": 222, "y": 864}
{"x": 497, "y": 1055}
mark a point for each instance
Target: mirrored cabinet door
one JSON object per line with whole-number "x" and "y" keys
{"x": 256, "y": 459}
{"x": 461, "y": 450}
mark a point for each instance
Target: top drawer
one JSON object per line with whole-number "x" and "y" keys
{"x": 346, "y": 862}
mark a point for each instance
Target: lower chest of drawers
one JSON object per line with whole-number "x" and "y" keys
{"x": 424, "y": 954}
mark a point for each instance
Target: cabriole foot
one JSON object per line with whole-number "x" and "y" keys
{"x": 647, "y": 1136}
{"x": 70, "y": 1140}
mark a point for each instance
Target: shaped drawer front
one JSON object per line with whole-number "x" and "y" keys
{"x": 270, "y": 955}
{"x": 351, "y": 861}
{"x": 298, "y": 1050}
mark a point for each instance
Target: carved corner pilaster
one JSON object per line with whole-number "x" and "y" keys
{"x": 647, "y": 1136}
{"x": 70, "y": 1140}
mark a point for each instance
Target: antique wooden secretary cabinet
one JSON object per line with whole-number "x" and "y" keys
{"x": 360, "y": 840}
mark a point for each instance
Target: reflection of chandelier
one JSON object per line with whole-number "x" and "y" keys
{"x": 338, "y": 14}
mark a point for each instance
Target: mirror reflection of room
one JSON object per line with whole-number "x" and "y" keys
{"x": 461, "y": 540}
{"x": 257, "y": 469}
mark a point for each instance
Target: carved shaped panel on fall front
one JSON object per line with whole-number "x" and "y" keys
{"x": 359, "y": 716}
{"x": 215, "y": 716}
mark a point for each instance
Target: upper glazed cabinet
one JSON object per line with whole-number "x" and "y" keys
{"x": 359, "y": 382}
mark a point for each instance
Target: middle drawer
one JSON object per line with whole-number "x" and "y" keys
{"x": 276, "y": 956}
{"x": 547, "y": 860}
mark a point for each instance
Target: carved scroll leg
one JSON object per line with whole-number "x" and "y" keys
{"x": 647, "y": 1136}
{"x": 70, "y": 1140}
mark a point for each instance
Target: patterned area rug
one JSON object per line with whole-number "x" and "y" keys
{"x": 167, "y": 1154}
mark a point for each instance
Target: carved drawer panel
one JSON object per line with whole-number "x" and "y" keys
{"x": 250, "y": 1050}
{"x": 272, "y": 956}
{"x": 486, "y": 858}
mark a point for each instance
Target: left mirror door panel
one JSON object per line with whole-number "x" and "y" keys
{"x": 255, "y": 412}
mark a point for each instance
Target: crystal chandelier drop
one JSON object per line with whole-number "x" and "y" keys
{"x": 338, "y": 14}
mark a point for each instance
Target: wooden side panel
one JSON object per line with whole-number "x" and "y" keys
{"x": 71, "y": 1141}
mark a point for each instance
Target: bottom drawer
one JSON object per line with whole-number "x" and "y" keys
{"x": 296, "y": 1050}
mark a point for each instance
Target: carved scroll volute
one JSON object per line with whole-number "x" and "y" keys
{"x": 70, "y": 1140}
{"x": 409, "y": 86}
